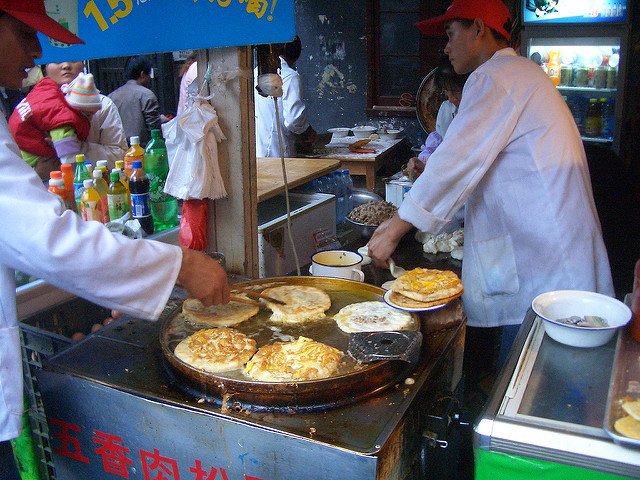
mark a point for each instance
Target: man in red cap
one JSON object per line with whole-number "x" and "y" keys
{"x": 42, "y": 239}
{"x": 514, "y": 157}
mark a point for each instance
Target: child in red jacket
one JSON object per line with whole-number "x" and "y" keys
{"x": 59, "y": 113}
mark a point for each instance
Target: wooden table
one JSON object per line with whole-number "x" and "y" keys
{"x": 362, "y": 163}
{"x": 299, "y": 171}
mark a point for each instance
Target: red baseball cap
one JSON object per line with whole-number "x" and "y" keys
{"x": 33, "y": 13}
{"x": 493, "y": 13}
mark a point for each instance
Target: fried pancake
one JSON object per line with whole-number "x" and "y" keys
{"x": 428, "y": 285}
{"x": 227, "y": 315}
{"x": 373, "y": 317}
{"x": 632, "y": 408}
{"x": 216, "y": 349}
{"x": 304, "y": 359}
{"x": 302, "y": 303}
{"x": 406, "y": 302}
{"x": 628, "y": 426}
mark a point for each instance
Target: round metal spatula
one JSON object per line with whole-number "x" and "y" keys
{"x": 402, "y": 345}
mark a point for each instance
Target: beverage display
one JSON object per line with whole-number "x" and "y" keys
{"x": 164, "y": 207}
{"x": 139, "y": 191}
{"x": 117, "y": 197}
{"x": 90, "y": 204}
{"x": 80, "y": 176}
{"x": 582, "y": 72}
{"x": 135, "y": 153}
{"x": 101, "y": 187}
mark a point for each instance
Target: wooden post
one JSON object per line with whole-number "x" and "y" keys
{"x": 233, "y": 223}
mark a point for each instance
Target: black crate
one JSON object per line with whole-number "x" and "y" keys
{"x": 42, "y": 335}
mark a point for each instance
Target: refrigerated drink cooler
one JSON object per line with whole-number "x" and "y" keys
{"x": 583, "y": 47}
{"x": 547, "y": 415}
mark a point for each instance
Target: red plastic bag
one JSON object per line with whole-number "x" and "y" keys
{"x": 193, "y": 224}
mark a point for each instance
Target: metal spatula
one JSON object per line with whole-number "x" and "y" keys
{"x": 396, "y": 345}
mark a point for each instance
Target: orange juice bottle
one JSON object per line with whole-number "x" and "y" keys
{"x": 67, "y": 176}
{"x": 554, "y": 66}
{"x": 136, "y": 152}
{"x": 90, "y": 205}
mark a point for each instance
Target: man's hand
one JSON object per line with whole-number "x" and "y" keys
{"x": 385, "y": 240}
{"x": 203, "y": 278}
{"x": 415, "y": 167}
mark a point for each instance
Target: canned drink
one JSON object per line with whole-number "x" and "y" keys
{"x": 582, "y": 77}
{"x": 612, "y": 75}
{"x": 566, "y": 75}
{"x": 600, "y": 77}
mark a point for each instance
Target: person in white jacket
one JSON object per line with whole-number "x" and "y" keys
{"x": 40, "y": 238}
{"x": 514, "y": 157}
{"x": 292, "y": 111}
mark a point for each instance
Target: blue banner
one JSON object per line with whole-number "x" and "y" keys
{"x": 115, "y": 28}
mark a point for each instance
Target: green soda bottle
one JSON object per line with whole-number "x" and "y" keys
{"x": 164, "y": 207}
{"x": 80, "y": 176}
{"x": 117, "y": 197}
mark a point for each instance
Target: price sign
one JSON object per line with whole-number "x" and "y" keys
{"x": 114, "y": 28}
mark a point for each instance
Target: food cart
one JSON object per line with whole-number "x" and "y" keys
{"x": 550, "y": 414}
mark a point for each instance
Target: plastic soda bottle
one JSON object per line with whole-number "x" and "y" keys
{"x": 80, "y": 176}
{"x": 101, "y": 187}
{"x": 554, "y": 66}
{"x": 135, "y": 153}
{"x": 117, "y": 196}
{"x": 140, "y": 204}
{"x": 67, "y": 176}
{"x": 593, "y": 122}
{"x": 102, "y": 165}
{"x": 56, "y": 185}
{"x": 91, "y": 202}
{"x": 348, "y": 182}
{"x": 164, "y": 207}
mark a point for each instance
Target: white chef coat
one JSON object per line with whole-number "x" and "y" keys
{"x": 292, "y": 112}
{"x": 40, "y": 238}
{"x": 513, "y": 153}
{"x": 106, "y": 139}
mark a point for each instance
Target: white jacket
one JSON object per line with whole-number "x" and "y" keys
{"x": 293, "y": 116}
{"x": 38, "y": 237}
{"x": 106, "y": 140}
{"x": 513, "y": 153}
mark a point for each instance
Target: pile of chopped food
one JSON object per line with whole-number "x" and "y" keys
{"x": 373, "y": 213}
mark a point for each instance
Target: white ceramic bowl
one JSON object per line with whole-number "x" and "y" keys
{"x": 552, "y": 306}
{"x": 389, "y": 134}
{"x": 363, "y": 131}
{"x": 339, "y": 132}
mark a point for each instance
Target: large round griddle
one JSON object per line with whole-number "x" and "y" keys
{"x": 351, "y": 382}
{"x": 428, "y": 100}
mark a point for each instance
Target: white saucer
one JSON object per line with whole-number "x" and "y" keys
{"x": 387, "y": 300}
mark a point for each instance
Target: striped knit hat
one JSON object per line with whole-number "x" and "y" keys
{"x": 82, "y": 93}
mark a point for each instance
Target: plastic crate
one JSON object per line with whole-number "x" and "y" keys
{"x": 42, "y": 335}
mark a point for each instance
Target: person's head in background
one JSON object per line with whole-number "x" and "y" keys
{"x": 291, "y": 51}
{"x": 446, "y": 79}
{"x": 64, "y": 72}
{"x": 139, "y": 68}
{"x": 476, "y": 29}
{"x": 19, "y": 44}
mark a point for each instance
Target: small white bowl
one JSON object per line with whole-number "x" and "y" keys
{"x": 363, "y": 131}
{"x": 559, "y": 304}
{"x": 389, "y": 134}
{"x": 339, "y": 132}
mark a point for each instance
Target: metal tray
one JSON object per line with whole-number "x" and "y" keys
{"x": 625, "y": 384}
{"x": 353, "y": 381}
